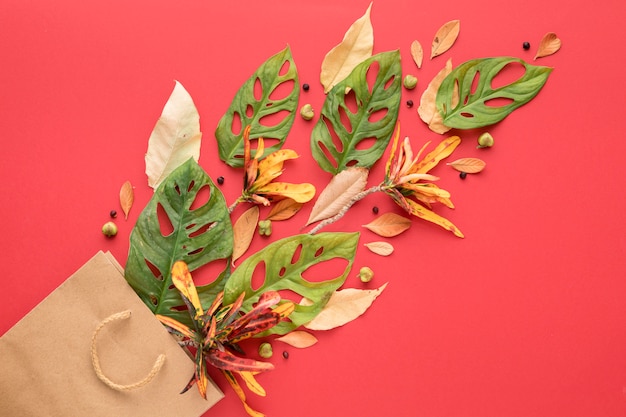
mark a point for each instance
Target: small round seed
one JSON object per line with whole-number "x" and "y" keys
{"x": 305, "y": 87}
{"x": 220, "y": 180}
{"x": 375, "y": 210}
{"x": 409, "y": 103}
{"x": 285, "y": 354}
{"x": 463, "y": 175}
{"x": 526, "y": 46}
{"x": 113, "y": 214}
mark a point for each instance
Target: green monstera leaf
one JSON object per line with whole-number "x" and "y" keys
{"x": 186, "y": 219}
{"x": 359, "y": 115}
{"x": 466, "y": 98}
{"x": 284, "y": 262}
{"x": 267, "y": 102}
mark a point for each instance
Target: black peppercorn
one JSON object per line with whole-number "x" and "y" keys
{"x": 220, "y": 180}
{"x": 409, "y": 103}
{"x": 285, "y": 354}
{"x": 463, "y": 175}
{"x": 526, "y": 46}
{"x": 305, "y": 87}
{"x": 375, "y": 210}
{"x": 113, "y": 214}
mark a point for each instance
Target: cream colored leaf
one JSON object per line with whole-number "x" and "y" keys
{"x": 357, "y": 46}
{"x": 417, "y": 52}
{"x": 284, "y": 209}
{"x": 445, "y": 38}
{"x": 243, "y": 231}
{"x": 175, "y": 137}
{"x": 427, "y": 109}
{"x": 389, "y": 225}
{"x": 380, "y": 248}
{"x": 468, "y": 165}
{"x": 549, "y": 44}
{"x": 343, "y": 307}
{"x": 299, "y": 339}
{"x": 127, "y": 197}
{"x": 339, "y": 193}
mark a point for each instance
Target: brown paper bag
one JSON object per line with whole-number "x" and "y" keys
{"x": 92, "y": 348}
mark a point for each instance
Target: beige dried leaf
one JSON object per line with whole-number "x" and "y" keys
{"x": 127, "y": 198}
{"x": 380, "y": 248}
{"x": 343, "y": 307}
{"x": 299, "y": 339}
{"x": 445, "y": 38}
{"x": 357, "y": 46}
{"x": 549, "y": 44}
{"x": 284, "y": 209}
{"x": 243, "y": 231}
{"x": 427, "y": 109}
{"x": 417, "y": 52}
{"x": 468, "y": 165}
{"x": 389, "y": 225}
{"x": 337, "y": 195}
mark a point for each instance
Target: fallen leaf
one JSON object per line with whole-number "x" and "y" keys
{"x": 417, "y": 52}
{"x": 243, "y": 231}
{"x": 549, "y": 44}
{"x": 284, "y": 209}
{"x": 468, "y": 165}
{"x": 299, "y": 339}
{"x": 127, "y": 197}
{"x": 339, "y": 193}
{"x": 445, "y": 38}
{"x": 427, "y": 109}
{"x": 343, "y": 307}
{"x": 389, "y": 225}
{"x": 380, "y": 248}
{"x": 175, "y": 137}
{"x": 357, "y": 45}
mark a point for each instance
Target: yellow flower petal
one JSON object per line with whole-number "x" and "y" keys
{"x": 300, "y": 193}
{"x": 420, "y": 211}
{"x": 443, "y": 150}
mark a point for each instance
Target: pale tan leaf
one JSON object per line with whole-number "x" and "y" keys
{"x": 417, "y": 52}
{"x": 427, "y": 109}
{"x": 380, "y": 248}
{"x": 468, "y": 165}
{"x": 243, "y": 231}
{"x": 175, "y": 137}
{"x": 127, "y": 198}
{"x": 339, "y": 193}
{"x": 284, "y": 209}
{"x": 357, "y": 46}
{"x": 299, "y": 339}
{"x": 389, "y": 225}
{"x": 343, "y": 307}
{"x": 549, "y": 44}
{"x": 445, "y": 38}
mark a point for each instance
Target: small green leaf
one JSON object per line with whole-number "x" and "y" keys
{"x": 364, "y": 133}
{"x": 476, "y": 104}
{"x": 267, "y": 102}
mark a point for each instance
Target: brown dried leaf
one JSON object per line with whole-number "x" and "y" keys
{"x": 299, "y": 339}
{"x": 338, "y": 193}
{"x": 343, "y": 307}
{"x": 127, "y": 197}
{"x": 243, "y": 231}
{"x": 427, "y": 109}
{"x": 284, "y": 209}
{"x": 549, "y": 44}
{"x": 417, "y": 53}
{"x": 445, "y": 38}
{"x": 380, "y": 248}
{"x": 389, "y": 225}
{"x": 468, "y": 165}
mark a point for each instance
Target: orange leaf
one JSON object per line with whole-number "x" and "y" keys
{"x": 427, "y": 109}
{"x": 389, "y": 225}
{"x": 445, "y": 38}
{"x": 181, "y": 278}
{"x": 127, "y": 197}
{"x": 380, "y": 248}
{"x": 549, "y": 44}
{"x": 417, "y": 53}
{"x": 299, "y": 339}
{"x": 243, "y": 231}
{"x": 468, "y": 165}
{"x": 284, "y": 209}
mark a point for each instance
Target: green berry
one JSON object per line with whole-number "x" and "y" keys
{"x": 265, "y": 350}
{"x": 366, "y": 274}
{"x": 109, "y": 229}
{"x": 410, "y": 82}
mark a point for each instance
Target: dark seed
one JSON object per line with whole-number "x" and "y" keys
{"x": 113, "y": 214}
{"x": 220, "y": 180}
{"x": 285, "y": 354}
{"x": 305, "y": 87}
{"x": 375, "y": 210}
{"x": 409, "y": 103}
{"x": 463, "y": 175}
{"x": 526, "y": 45}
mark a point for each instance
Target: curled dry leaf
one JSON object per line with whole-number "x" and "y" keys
{"x": 427, "y": 109}
{"x": 357, "y": 45}
{"x": 389, "y": 225}
{"x": 417, "y": 52}
{"x": 445, "y": 38}
{"x": 127, "y": 198}
{"x": 343, "y": 307}
{"x": 380, "y": 248}
{"x": 550, "y": 43}
{"x": 299, "y": 339}
{"x": 284, "y": 209}
{"x": 468, "y": 165}
{"x": 243, "y": 231}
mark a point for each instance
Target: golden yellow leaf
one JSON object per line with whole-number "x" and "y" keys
{"x": 284, "y": 209}
{"x": 127, "y": 198}
{"x": 380, "y": 248}
{"x": 300, "y": 193}
{"x": 243, "y": 231}
{"x": 389, "y": 225}
{"x": 468, "y": 165}
{"x": 417, "y": 52}
{"x": 252, "y": 384}
{"x": 445, "y": 37}
{"x": 549, "y": 44}
{"x": 299, "y": 339}
{"x": 182, "y": 280}
{"x": 427, "y": 109}
{"x": 357, "y": 46}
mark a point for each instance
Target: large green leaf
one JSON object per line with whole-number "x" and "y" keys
{"x": 476, "y": 104}
{"x": 283, "y": 272}
{"x": 202, "y": 233}
{"x": 267, "y": 102}
{"x": 363, "y": 134}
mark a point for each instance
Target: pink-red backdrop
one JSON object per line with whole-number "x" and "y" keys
{"x": 526, "y": 316}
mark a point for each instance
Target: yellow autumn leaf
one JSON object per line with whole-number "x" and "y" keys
{"x": 300, "y": 193}
{"x": 389, "y": 225}
{"x": 127, "y": 197}
{"x": 445, "y": 37}
{"x": 548, "y": 45}
{"x": 243, "y": 231}
{"x": 427, "y": 109}
{"x": 357, "y": 46}
{"x": 298, "y": 339}
{"x": 252, "y": 384}
{"x": 417, "y": 53}
{"x": 468, "y": 165}
{"x": 422, "y": 212}
{"x": 284, "y": 209}
{"x": 181, "y": 278}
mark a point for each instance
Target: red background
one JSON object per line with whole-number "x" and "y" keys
{"x": 524, "y": 317}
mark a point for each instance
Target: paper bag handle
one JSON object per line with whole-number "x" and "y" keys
{"x": 96, "y": 361}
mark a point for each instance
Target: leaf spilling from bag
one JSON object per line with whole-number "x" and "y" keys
{"x": 468, "y": 165}
{"x": 127, "y": 197}
{"x": 427, "y": 109}
{"x": 417, "y": 53}
{"x": 445, "y": 37}
{"x": 299, "y": 339}
{"x": 243, "y": 231}
{"x": 389, "y": 225}
{"x": 549, "y": 44}
{"x": 284, "y": 209}
{"x": 380, "y": 248}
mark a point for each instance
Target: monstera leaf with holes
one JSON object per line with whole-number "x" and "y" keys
{"x": 284, "y": 262}
{"x": 467, "y": 99}
{"x": 202, "y": 233}
{"x": 363, "y": 134}
{"x": 267, "y": 102}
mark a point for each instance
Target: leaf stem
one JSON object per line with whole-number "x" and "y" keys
{"x": 233, "y": 206}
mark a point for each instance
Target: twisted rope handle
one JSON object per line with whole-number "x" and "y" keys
{"x": 96, "y": 361}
